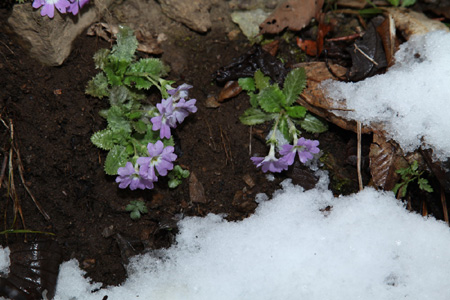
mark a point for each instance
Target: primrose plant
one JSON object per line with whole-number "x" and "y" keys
{"x": 270, "y": 103}
{"x": 63, "y": 6}
{"x": 138, "y": 134}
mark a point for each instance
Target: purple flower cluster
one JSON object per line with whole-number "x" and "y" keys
{"x": 142, "y": 175}
{"x": 303, "y": 147}
{"x": 63, "y": 6}
{"x": 173, "y": 110}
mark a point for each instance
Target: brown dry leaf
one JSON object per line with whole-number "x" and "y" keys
{"x": 314, "y": 99}
{"x": 385, "y": 158}
{"x": 387, "y": 34}
{"x": 147, "y": 42}
{"x": 411, "y": 22}
{"x": 230, "y": 90}
{"x": 292, "y": 14}
{"x": 196, "y": 190}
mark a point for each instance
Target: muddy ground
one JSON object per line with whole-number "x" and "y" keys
{"x": 64, "y": 170}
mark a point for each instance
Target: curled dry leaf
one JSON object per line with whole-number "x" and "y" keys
{"x": 385, "y": 158}
{"x": 230, "y": 90}
{"x": 313, "y": 97}
{"x": 411, "y": 22}
{"x": 147, "y": 42}
{"x": 292, "y": 14}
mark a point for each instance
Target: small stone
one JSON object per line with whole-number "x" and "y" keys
{"x": 194, "y": 14}
{"x": 108, "y": 231}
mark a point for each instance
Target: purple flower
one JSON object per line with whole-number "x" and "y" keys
{"x": 75, "y": 5}
{"x": 49, "y": 6}
{"x": 270, "y": 162}
{"x": 180, "y": 92}
{"x": 160, "y": 157}
{"x": 305, "y": 149}
{"x": 128, "y": 176}
{"x": 162, "y": 122}
{"x": 182, "y": 110}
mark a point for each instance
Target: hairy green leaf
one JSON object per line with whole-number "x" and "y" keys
{"x": 261, "y": 81}
{"x": 313, "y": 124}
{"x": 126, "y": 44}
{"x": 117, "y": 121}
{"x": 101, "y": 58}
{"x": 140, "y": 126}
{"x": 283, "y": 127}
{"x": 139, "y": 72}
{"x": 296, "y": 111}
{"x": 104, "y": 139}
{"x": 116, "y": 158}
{"x": 294, "y": 84}
{"x": 118, "y": 95}
{"x": 253, "y": 116}
{"x": 271, "y": 99}
{"x": 98, "y": 86}
{"x": 247, "y": 84}
{"x": 254, "y": 100}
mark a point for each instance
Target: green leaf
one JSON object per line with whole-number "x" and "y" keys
{"x": 104, "y": 139}
{"x": 135, "y": 215}
{"x": 98, "y": 86}
{"x": 140, "y": 126}
{"x": 174, "y": 182}
{"x": 313, "y": 124}
{"x": 115, "y": 159}
{"x": 294, "y": 84}
{"x": 402, "y": 187}
{"x": 261, "y": 81}
{"x": 139, "y": 71}
{"x": 424, "y": 185}
{"x": 118, "y": 95}
{"x": 271, "y": 99}
{"x": 247, "y": 84}
{"x": 394, "y": 2}
{"x": 126, "y": 44}
{"x": 296, "y": 111}
{"x": 117, "y": 121}
{"x": 253, "y": 116}
{"x": 283, "y": 127}
{"x": 406, "y": 3}
{"x": 254, "y": 100}
{"x": 101, "y": 58}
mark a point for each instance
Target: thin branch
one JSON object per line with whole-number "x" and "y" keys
{"x": 358, "y": 162}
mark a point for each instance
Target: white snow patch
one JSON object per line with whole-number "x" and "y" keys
{"x": 411, "y": 99}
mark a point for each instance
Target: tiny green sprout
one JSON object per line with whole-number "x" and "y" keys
{"x": 410, "y": 174}
{"x": 136, "y": 208}
{"x": 176, "y": 176}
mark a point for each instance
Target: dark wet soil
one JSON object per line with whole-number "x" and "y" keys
{"x": 53, "y": 120}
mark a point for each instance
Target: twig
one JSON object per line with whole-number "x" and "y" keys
{"x": 224, "y": 146}
{"x": 2, "y": 173}
{"x": 365, "y": 55}
{"x": 20, "y": 167}
{"x": 444, "y": 206}
{"x": 358, "y": 162}
{"x": 249, "y": 141}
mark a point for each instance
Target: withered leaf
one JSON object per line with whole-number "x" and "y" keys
{"x": 196, "y": 190}
{"x": 247, "y": 64}
{"x": 230, "y": 90}
{"x": 314, "y": 99}
{"x": 385, "y": 158}
{"x": 368, "y": 56}
{"x": 292, "y": 14}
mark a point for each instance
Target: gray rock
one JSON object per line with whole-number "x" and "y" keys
{"x": 194, "y": 14}
{"x": 50, "y": 40}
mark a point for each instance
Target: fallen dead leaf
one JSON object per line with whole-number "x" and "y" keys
{"x": 196, "y": 190}
{"x": 230, "y": 90}
{"x": 291, "y": 14}
{"x": 411, "y": 22}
